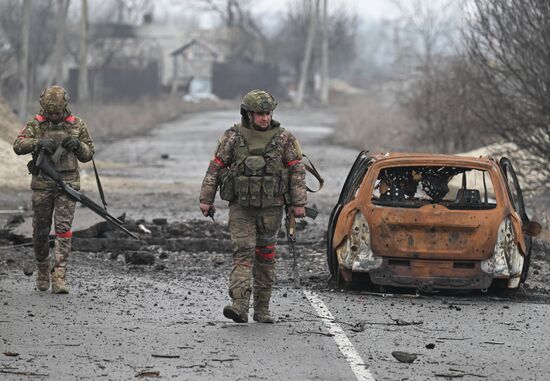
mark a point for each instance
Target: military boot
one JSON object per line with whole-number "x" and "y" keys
{"x": 238, "y": 310}
{"x": 261, "y": 307}
{"x": 58, "y": 281}
{"x": 62, "y": 250}
{"x": 43, "y": 274}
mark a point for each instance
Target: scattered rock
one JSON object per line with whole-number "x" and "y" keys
{"x": 430, "y": 346}
{"x": 159, "y": 267}
{"x": 14, "y": 221}
{"x": 404, "y": 357}
{"x": 160, "y": 221}
{"x": 28, "y": 268}
{"x": 139, "y": 257}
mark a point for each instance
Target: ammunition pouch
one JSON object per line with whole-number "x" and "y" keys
{"x": 255, "y": 191}
{"x": 227, "y": 185}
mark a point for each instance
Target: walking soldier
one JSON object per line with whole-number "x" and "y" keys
{"x": 65, "y": 137}
{"x": 257, "y": 168}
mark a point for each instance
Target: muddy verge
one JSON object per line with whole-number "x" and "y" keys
{"x": 203, "y": 248}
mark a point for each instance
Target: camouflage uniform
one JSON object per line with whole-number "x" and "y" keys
{"x": 256, "y": 171}
{"x": 47, "y": 199}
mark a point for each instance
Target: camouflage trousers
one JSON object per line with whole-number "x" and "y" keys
{"x": 254, "y": 236}
{"x": 48, "y": 204}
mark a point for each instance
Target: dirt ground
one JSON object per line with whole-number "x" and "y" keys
{"x": 155, "y": 305}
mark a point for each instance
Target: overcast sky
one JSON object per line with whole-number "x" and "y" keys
{"x": 373, "y": 9}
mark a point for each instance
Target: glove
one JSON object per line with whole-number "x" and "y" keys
{"x": 299, "y": 211}
{"x": 70, "y": 144}
{"x": 206, "y": 208}
{"x": 47, "y": 145}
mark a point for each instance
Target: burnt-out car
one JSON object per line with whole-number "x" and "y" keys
{"x": 431, "y": 222}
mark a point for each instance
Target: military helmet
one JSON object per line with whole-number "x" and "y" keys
{"x": 54, "y": 100}
{"x": 258, "y": 101}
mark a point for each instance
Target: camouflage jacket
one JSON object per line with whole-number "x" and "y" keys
{"x": 67, "y": 165}
{"x": 225, "y": 155}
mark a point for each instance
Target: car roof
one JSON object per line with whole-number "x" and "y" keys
{"x": 396, "y": 158}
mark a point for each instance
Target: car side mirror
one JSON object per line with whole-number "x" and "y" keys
{"x": 532, "y": 228}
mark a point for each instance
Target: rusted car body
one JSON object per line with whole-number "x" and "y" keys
{"x": 431, "y": 222}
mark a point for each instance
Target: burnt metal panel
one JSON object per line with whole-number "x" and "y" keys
{"x": 430, "y": 246}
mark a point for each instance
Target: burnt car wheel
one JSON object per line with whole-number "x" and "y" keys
{"x": 332, "y": 259}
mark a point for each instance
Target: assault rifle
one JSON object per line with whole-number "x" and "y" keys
{"x": 44, "y": 165}
{"x": 290, "y": 223}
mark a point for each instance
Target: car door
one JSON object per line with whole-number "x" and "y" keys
{"x": 516, "y": 196}
{"x": 352, "y": 183}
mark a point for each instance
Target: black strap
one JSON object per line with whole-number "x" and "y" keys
{"x": 99, "y": 187}
{"x": 311, "y": 169}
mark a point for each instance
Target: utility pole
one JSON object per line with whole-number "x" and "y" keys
{"x": 24, "y": 61}
{"x": 314, "y": 7}
{"x": 325, "y": 80}
{"x": 56, "y": 76}
{"x": 83, "y": 94}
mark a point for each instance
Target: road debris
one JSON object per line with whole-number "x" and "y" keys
{"x": 404, "y": 357}
{"x": 28, "y": 268}
{"x": 147, "y": 373}
{"x": 166, "y": 356}
{"x": 315, "y": 333}
{"x": 144, "y": 229}
{"x": 23, "y": 373}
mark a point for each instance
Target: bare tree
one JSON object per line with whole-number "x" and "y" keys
{"x": 308, "y": 48}
{"x": 24, "y": 61}
{"x": 83, "y": 93}
{"x": 56, "y": 75}
{"x": 324, "y": 55}
{"x": 450, "y": 110}
{"x": 508, "y": 44}
{"x": 246, "y": 38}
{"x": 426, "y": 32}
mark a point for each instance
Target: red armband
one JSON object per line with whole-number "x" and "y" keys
{"x": 219, "y": 162}
{"x": 293, "y": 162}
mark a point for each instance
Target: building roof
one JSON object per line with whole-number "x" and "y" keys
{"x": 191, "y": 43}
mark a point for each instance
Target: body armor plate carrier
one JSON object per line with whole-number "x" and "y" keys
{"x": 257, "y": 176}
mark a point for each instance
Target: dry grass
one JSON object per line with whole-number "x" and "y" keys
{"x": 367, "y": 124}
{"x": 9, "y": 124}
{"x": 106, "y": 123}
{"x": 111, "y": 122}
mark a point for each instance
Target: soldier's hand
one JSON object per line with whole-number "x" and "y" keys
{"x": 299, "y": 211}
{"x": 48, "y": 145}
{"x": 71, "y": 144}
{"x": 205, "y": 208}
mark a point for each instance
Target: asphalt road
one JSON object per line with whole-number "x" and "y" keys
{"x": 121, "y": 321}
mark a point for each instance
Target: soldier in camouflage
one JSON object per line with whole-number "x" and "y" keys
{"x": 257, "y": 167}
{"x": 65, "y": 137}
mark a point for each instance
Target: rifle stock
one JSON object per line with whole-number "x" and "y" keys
{"x": 44, "y": 165}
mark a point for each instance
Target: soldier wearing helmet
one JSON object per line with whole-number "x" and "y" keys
{"x": 65, "y": 138}
{"x": 257, "y": 168}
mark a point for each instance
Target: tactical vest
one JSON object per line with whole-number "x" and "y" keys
{"x": 257, "y": 176}
{"x": 67, "y": 162}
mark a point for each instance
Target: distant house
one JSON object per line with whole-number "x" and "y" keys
{"x": 192, "y": 61}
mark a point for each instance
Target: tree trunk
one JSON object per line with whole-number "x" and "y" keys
{"x": 56, "y": 75}
{"x": 24, "y": 61}
{"x": 325, "y": 80}
{"x": 314, "y": 6}
{"x": 83, "y": 94}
